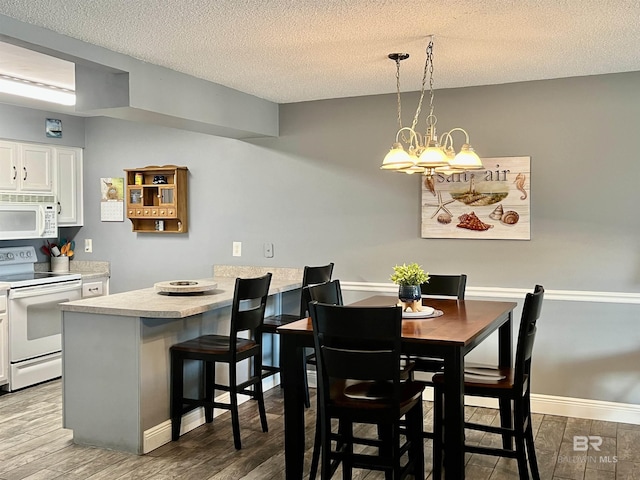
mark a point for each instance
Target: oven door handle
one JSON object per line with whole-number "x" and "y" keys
{"x": 39, "y": 290}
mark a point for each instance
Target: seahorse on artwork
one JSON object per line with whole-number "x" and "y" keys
{"x": 429, "y": 184}
{"x": 519, "y": 181}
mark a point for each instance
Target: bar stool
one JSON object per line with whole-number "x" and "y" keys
{"x": 359, "y": 381}
{"x": 247, "y": 315}
{"x": 310, "y": 276}
{"x": 446, "y": 286}
{"x": 512, "y": 387}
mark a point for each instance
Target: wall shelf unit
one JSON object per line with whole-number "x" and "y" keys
{"x": 154, "y": 206}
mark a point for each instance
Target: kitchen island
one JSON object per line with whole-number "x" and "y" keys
{"x": 116, "y": 356}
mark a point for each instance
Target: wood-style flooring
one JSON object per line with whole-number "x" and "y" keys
{"x": 34, "y": 446}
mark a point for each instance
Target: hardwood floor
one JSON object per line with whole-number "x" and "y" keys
{"x": 34, "y": 446}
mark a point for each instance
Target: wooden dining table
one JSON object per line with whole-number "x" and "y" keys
{"x": 463, "y": 326}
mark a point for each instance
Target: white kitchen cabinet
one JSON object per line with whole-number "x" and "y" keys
{"x": 26, "y": 167}
{"x": 68, "y": 185}
{"x": 4, "y": 340}
{"x": 36, "y": 169}
{"x": 8, "y": 166}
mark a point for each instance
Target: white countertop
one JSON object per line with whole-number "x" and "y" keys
{"x": 149, "y": 303}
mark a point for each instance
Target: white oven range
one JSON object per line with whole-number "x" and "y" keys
{"x": 34, "y": 317}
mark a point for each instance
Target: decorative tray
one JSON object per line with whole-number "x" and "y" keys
{"x": 185, "y": 287}
{"x": 426, "y": 312}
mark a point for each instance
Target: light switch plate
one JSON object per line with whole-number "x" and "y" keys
{"x": 268, "y": 250}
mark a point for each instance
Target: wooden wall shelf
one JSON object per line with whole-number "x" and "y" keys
{"x": 154, "y": 206}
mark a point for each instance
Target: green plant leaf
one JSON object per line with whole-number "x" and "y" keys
{"x": 411, "y": 274}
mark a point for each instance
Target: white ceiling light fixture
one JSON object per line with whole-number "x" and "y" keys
{"x": 416, "y": 153}
{"x": 36, "y": 90}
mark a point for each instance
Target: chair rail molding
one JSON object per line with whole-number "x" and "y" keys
{"x": 511, "y": 293}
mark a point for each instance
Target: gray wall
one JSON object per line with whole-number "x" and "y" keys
{"x": 28, "y": 125}
{"x": 316, "y": 192}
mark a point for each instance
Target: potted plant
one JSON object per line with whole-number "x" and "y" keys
{"x": 408, "y": 278}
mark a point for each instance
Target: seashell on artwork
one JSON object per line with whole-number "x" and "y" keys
{"x": 510, "y": 217}
{"x": 444, "y": 218}
{"x": 497, "y": 213}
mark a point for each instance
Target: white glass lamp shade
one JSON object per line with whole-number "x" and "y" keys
{"x": 467, "y": 159}
{"x": 396, "y": 159}
{"x": 433, "y": 156}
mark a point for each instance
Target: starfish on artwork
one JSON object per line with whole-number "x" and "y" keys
{"x": 441, "y": 205}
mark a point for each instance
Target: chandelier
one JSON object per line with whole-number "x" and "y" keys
{"x": 413, "y": 152}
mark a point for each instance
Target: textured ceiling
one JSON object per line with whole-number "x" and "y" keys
{"x": 296, "y": 50}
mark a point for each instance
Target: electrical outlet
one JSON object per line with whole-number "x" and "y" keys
{"x": 237, "y": 249}
{"x": 268, "y": 250}
{"x": 88, "y": 245}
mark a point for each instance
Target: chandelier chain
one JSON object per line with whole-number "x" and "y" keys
{"x": 430, "y": 62}
{"x": 427, "y": 63}
{"x": 404, "y": 138}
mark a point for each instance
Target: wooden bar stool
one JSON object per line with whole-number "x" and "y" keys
{"x": 359, "y": 381}
{"x": 247, "y": 315}
{"x": 511, "y": 386}
{"x": 310, "y": 276}
{"x": 446, "y": 286}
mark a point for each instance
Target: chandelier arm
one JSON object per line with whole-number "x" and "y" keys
{"x": 446, "y": 139}
{"x": 414, "y": 137}
{"x": 458, "y": 129}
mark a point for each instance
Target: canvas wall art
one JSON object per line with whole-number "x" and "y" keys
{"x": 493, "y": 203}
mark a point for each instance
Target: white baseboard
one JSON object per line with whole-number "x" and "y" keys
{"x": 160, "y": 434}
{"x": 552, "y": 405}
{"x": 573, "y": 407}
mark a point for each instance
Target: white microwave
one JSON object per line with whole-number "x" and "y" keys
{"x": 28, "y": 216}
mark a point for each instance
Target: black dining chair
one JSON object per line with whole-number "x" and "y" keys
{"x": 327, "y": 292}
{"x": 358, "y": 363}
{"x": 330, "y": 293}
{"x": 439, "y": 286}
{"x": 511, "y": 386}
{"x": 247, "y": 315}
{"x": 310, "y": 276}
